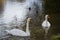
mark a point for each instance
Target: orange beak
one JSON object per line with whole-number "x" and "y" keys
{"x": 48, "y": 16}
{"x": 30, "y": 20}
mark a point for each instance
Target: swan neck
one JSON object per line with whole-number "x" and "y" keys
{"x": 46, "y": 18}
{"x": 27, "y": 26}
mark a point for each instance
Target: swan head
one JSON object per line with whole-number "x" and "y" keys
{"x": 46, "y": 16}
{"x": 29, "y": 19}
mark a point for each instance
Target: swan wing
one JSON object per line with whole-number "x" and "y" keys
{"x": 17, "y": 32}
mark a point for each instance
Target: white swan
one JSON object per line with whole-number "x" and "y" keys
{"x": 18, "y": 32}
{"x": 46, "y": 24}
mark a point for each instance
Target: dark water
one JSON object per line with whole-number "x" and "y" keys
{"x": 55, "y": 21}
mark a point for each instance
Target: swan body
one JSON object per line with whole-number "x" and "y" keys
{"x": 18, "y": 32}
{"x": 46, "y": 23}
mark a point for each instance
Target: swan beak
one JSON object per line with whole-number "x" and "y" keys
{"x": 48, "y": 16}
{"x": 30, "y": 20}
